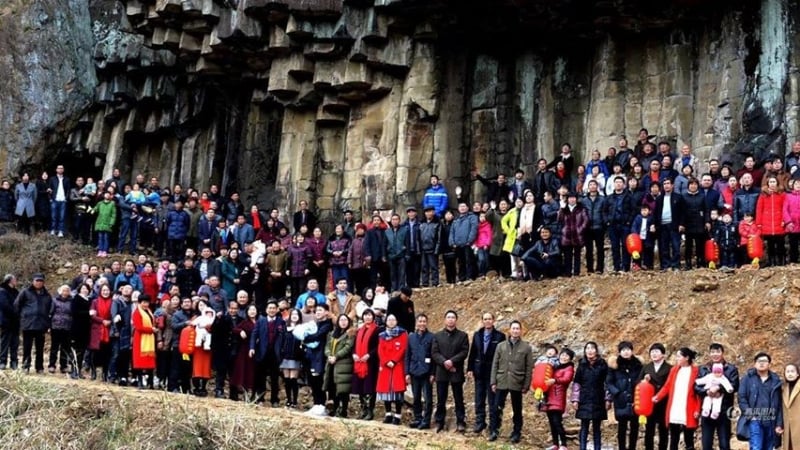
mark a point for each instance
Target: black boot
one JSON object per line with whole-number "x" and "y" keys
{"x": 203, "y": 385}
{"x": 345, "y": 401}
{"x": 363, "y": 400}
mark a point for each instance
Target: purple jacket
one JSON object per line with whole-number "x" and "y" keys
{"x": 317, "y": 248}
{"x": 299, "y": 259}
{"x": 338, "y": 244}
{"x": 357, "y": 257}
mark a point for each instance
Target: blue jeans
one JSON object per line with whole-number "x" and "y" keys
{"x": 58, "y": 211}
{"x": 128, "y": 227}
{"x": 102, "y": 241}
{"x": 483, "y": 261}
{"x": 762, "y": 435}
{"x": 617, "y": 234}
{"x": 339, "y": 271}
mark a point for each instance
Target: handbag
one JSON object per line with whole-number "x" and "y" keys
{"x": 743, "y": 429}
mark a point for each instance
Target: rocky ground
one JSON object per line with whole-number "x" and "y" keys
{"x": 747, "y": 311}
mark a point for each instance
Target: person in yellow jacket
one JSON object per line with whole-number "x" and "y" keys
{"x": 509, "y": 225}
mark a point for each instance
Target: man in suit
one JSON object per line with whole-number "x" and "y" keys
{"x": 304, "y": 217}
{"x": 479, "y": 367}
{"x": 263, "y": 349}
{"x": 58, "y": 188}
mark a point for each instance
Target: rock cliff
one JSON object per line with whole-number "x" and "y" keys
{"x": 353, "y": 104}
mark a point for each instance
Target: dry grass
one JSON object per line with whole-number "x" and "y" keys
{"x": 25, "y": 255}
{"x": 39, "y": 413}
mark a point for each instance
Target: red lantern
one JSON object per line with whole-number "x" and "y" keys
{"x": 643, "y": 400}
{"x": 186, "y": 342}
{"x": 755, "y": 249}
{"x": 634, "y": 245}
{"x": 712, "y": 253}
{"x": 541, "y": 373}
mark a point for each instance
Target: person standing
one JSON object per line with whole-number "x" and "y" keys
{"x": 263, "y": 348}
{"x": 81, "y": 328}
{"x": 555, "y": 403}
{"x": 391, "y": 387}
{"x": 60, "y": 329}
{"x": 177, "y": 229}
{"x": 414, "y": 254}
{"x": 144, "y": 342}
{"x": 396, "y": 251}
{"x": 588, "y": 394}
{"x": 511, "y": 370}
{"x": 462, "y": 234}
{"x": 479, "y": 368}
{"x": 436, "y": 197}
{"x": 722, "y": 425}
{"x": 33, "y": 308}
{"x": 623, "y": 371}
{"x": 449, "y": 351}
{"x": 419, "y": 372}
{"x": 339, "y": 368}
{"x": 25, "y": 196}
{"x": 656, "y": 372}
{"x": 58, "y": 188}
{"x": 791, "y": 408}
{"x": 760, "y": 402}
{"x": 366, "y": 364}
{"x": 683, "y": 406}
{"x": 668, "y": 216}
{"x": 9, "y": 323}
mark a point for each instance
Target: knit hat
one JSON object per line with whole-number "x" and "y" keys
{"x": 658, "y": 346}
{"x": 625, "y": 344}
{"x": 716, "y": 368}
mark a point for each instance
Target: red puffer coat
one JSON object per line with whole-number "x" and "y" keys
{"x": 557, "y": 394}
{"x": 392, "y": 349}
{"x": 769, "y": 213}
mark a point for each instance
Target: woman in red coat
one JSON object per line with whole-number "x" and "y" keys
{"x": 769, "y": 218}
{"x": 555, "y": 403}
{"x": 683, "y": 406}
{"x": 392, "y": 345}
{"x": 243, "y": 365}
{"x": 100, "y": 338}
{"x": 144, "y": 341}
{"x": 149, "y": 281}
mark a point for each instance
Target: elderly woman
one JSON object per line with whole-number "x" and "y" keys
{"x": 60, "y": 329}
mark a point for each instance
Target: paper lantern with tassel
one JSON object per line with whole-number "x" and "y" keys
{"x": 633, "y": 243}
{"x": 712, "y": 253}
{"x": 643, "y": 400}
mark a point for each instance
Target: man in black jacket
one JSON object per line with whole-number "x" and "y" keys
{"x": 668, "y": 218}
{"x": 720, "y": 426}
{"x": 618, "y": 214}
{"x": 656, "y": 372}
{"x": 9, "y": 322}
{"x": 403, "y": 309}
{"x": 33, "y": 308}
{"x": 304, "y": 217}
{"x": 449, "y": 352}
{"x": 479, "y": 367}
{"x": 696, "y": 223}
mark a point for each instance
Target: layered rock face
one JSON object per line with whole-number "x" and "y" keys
{"x": 354, "y": 104}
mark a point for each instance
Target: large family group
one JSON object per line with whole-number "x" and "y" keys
{"x": 219, "y": 292}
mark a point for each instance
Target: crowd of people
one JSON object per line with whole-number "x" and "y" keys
{"x": 217, "y": 291}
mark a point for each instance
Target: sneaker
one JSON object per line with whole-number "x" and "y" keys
{"x": 61, "y": 234}
{"x": 52, "y": 233}
{"x": 99, "y": 254}
{"x": 317, "y": 411}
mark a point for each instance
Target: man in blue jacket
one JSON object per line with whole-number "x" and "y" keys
{"x": 760, "y": 402}
{"x": 462, "y": 234}
{"x": 436, "y": 196}
{"x": 396, "y": 251}
{"x": 177, "y": 229}
{"x": 263, "y": 349}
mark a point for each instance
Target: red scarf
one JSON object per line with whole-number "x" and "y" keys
{"x": 561, "y": 173}
{"x": 104, "y": 312}
{"x": 361, "y": 368}
{"x": 654, "y": 176}
{"x": 256, "y": 220}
